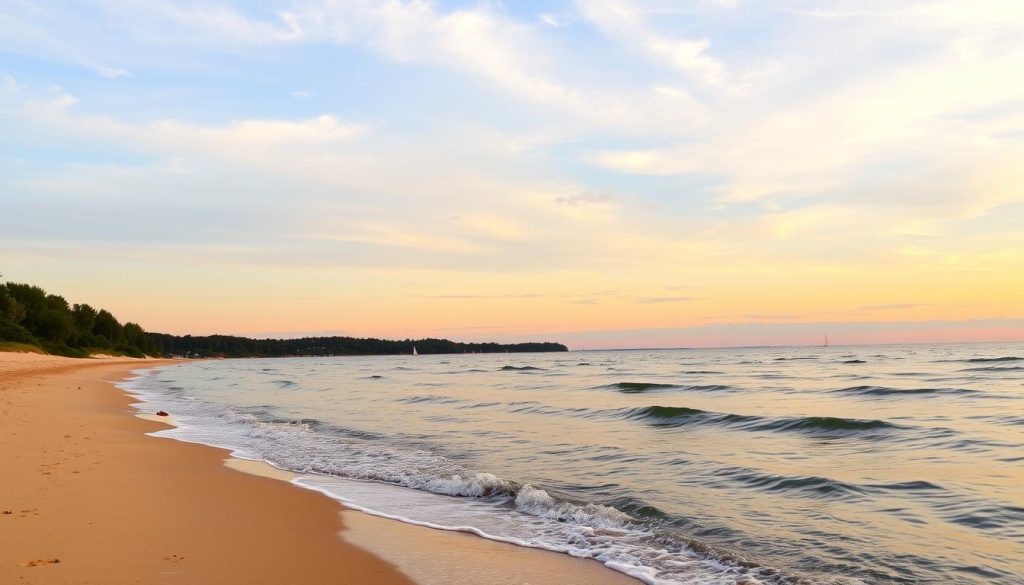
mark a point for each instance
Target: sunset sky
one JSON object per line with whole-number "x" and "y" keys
{"x": 616, "y": 173}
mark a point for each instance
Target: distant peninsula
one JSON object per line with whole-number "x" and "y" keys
{"x": 33, "y": 320}
{"x": 231, "y": 346}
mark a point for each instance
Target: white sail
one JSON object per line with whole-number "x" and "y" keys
{"x": 414, "y": 352}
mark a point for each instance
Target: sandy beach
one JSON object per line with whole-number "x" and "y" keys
{"x": 88, "y": 497}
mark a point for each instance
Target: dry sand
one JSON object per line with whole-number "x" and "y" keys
{"x": 87, "y": 497}
{"x": 91, "y": 499}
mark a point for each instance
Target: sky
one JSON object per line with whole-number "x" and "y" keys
{"x": 605, "y": 173}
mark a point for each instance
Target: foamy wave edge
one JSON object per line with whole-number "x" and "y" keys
{"x": 589, "y": 518}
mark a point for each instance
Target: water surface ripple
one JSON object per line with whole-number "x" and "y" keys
{"x": 882, "y": 464}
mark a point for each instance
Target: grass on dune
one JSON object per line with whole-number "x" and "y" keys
{"x": 19, "y": 347}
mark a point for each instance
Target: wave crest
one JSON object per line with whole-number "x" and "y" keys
{"x": 533, "y": 501}
{"x": 679, "y": 416}
{"x": 887, "y": 391}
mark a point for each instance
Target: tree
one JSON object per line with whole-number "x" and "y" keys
{"x": 107, "y": 327}
{"x": 55, "y": 325}
{"x": 137, "y": 339}
{"x": 10, "y": 310}
{"x": 85, "y": 321}
{"x": 32, "y": 299}
{"x": 29, "y": 315}
{"x": 57, "y": 303}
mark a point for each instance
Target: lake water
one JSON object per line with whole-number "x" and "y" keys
{"x": 866, "y": 464}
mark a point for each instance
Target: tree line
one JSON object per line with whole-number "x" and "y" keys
{"x": 231, "y": 346}
{"x": 31, "y": 316}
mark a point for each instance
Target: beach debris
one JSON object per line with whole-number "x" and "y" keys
{"x": 161, "y": 413}
{"x": 40, "y": 562}
{"x": 6, "y": 512}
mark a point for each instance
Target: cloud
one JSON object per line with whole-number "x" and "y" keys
{"x": 478, "y": 40}
{"x": 571, "y": 205}
{"x": 317, "y": 181}
{"x": 657, "y": 300}
{"x": 169, "y": 21}
{"x": 909, "y": 110}
{"x": 549, "y": 19}
{"x": 513, "y": 58}
{"x": 626, "y": 22}
{"x": 894, "y": 306}
{"x": 33, "y": 27}
{"x": 585, "y": 198}
{"x": 274, "y": 142}
{"x": 110, "y": 72}
{"x": 240, "y": 136}
{"x": 493, "y": 226}
{"x": 474, "y": 297}
{"x": 773, "y": 317}
{"x": 871, "y": 148}
{"x": 405, "y": 236}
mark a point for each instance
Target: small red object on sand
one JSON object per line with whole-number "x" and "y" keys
{"x": 161, "y": 413}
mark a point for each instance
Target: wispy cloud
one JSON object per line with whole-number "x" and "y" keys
{"x": 626, "y": 21}
{"x": 496, "y": 296}
{"x": 788, "y": 164}
{"x": 654, "y": 300}
{"x": 773, "y": 317}
{"x": 585, "y": 198}
{"x": 472, "y": 328}
{"x": 550, "y": 19}
{"x": 893, "y": 307}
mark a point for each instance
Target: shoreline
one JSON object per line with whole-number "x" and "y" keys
{"x": 94, "y": 498}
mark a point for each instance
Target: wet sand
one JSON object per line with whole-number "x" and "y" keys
{"x": 87, "y": 497}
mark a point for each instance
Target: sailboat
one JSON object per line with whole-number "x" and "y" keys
{"x": 826, "y": 340}
{"x": 414, "y": 352}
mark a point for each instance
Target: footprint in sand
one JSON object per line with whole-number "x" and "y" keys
{"x": 39, "y": 562}
{"x": 174, "y": 558}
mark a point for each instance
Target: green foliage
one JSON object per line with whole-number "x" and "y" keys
{"x": 10, "y": 310}
{"x": 107, "y": 327}
{"x": 85, "y": 321}
{"x": 29, "y": 316}
{"x": 55, "y": 325}
{"x": 135, "y": 337}
{"x": 32, "y": 301}
{"x": 14, "y": 332}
